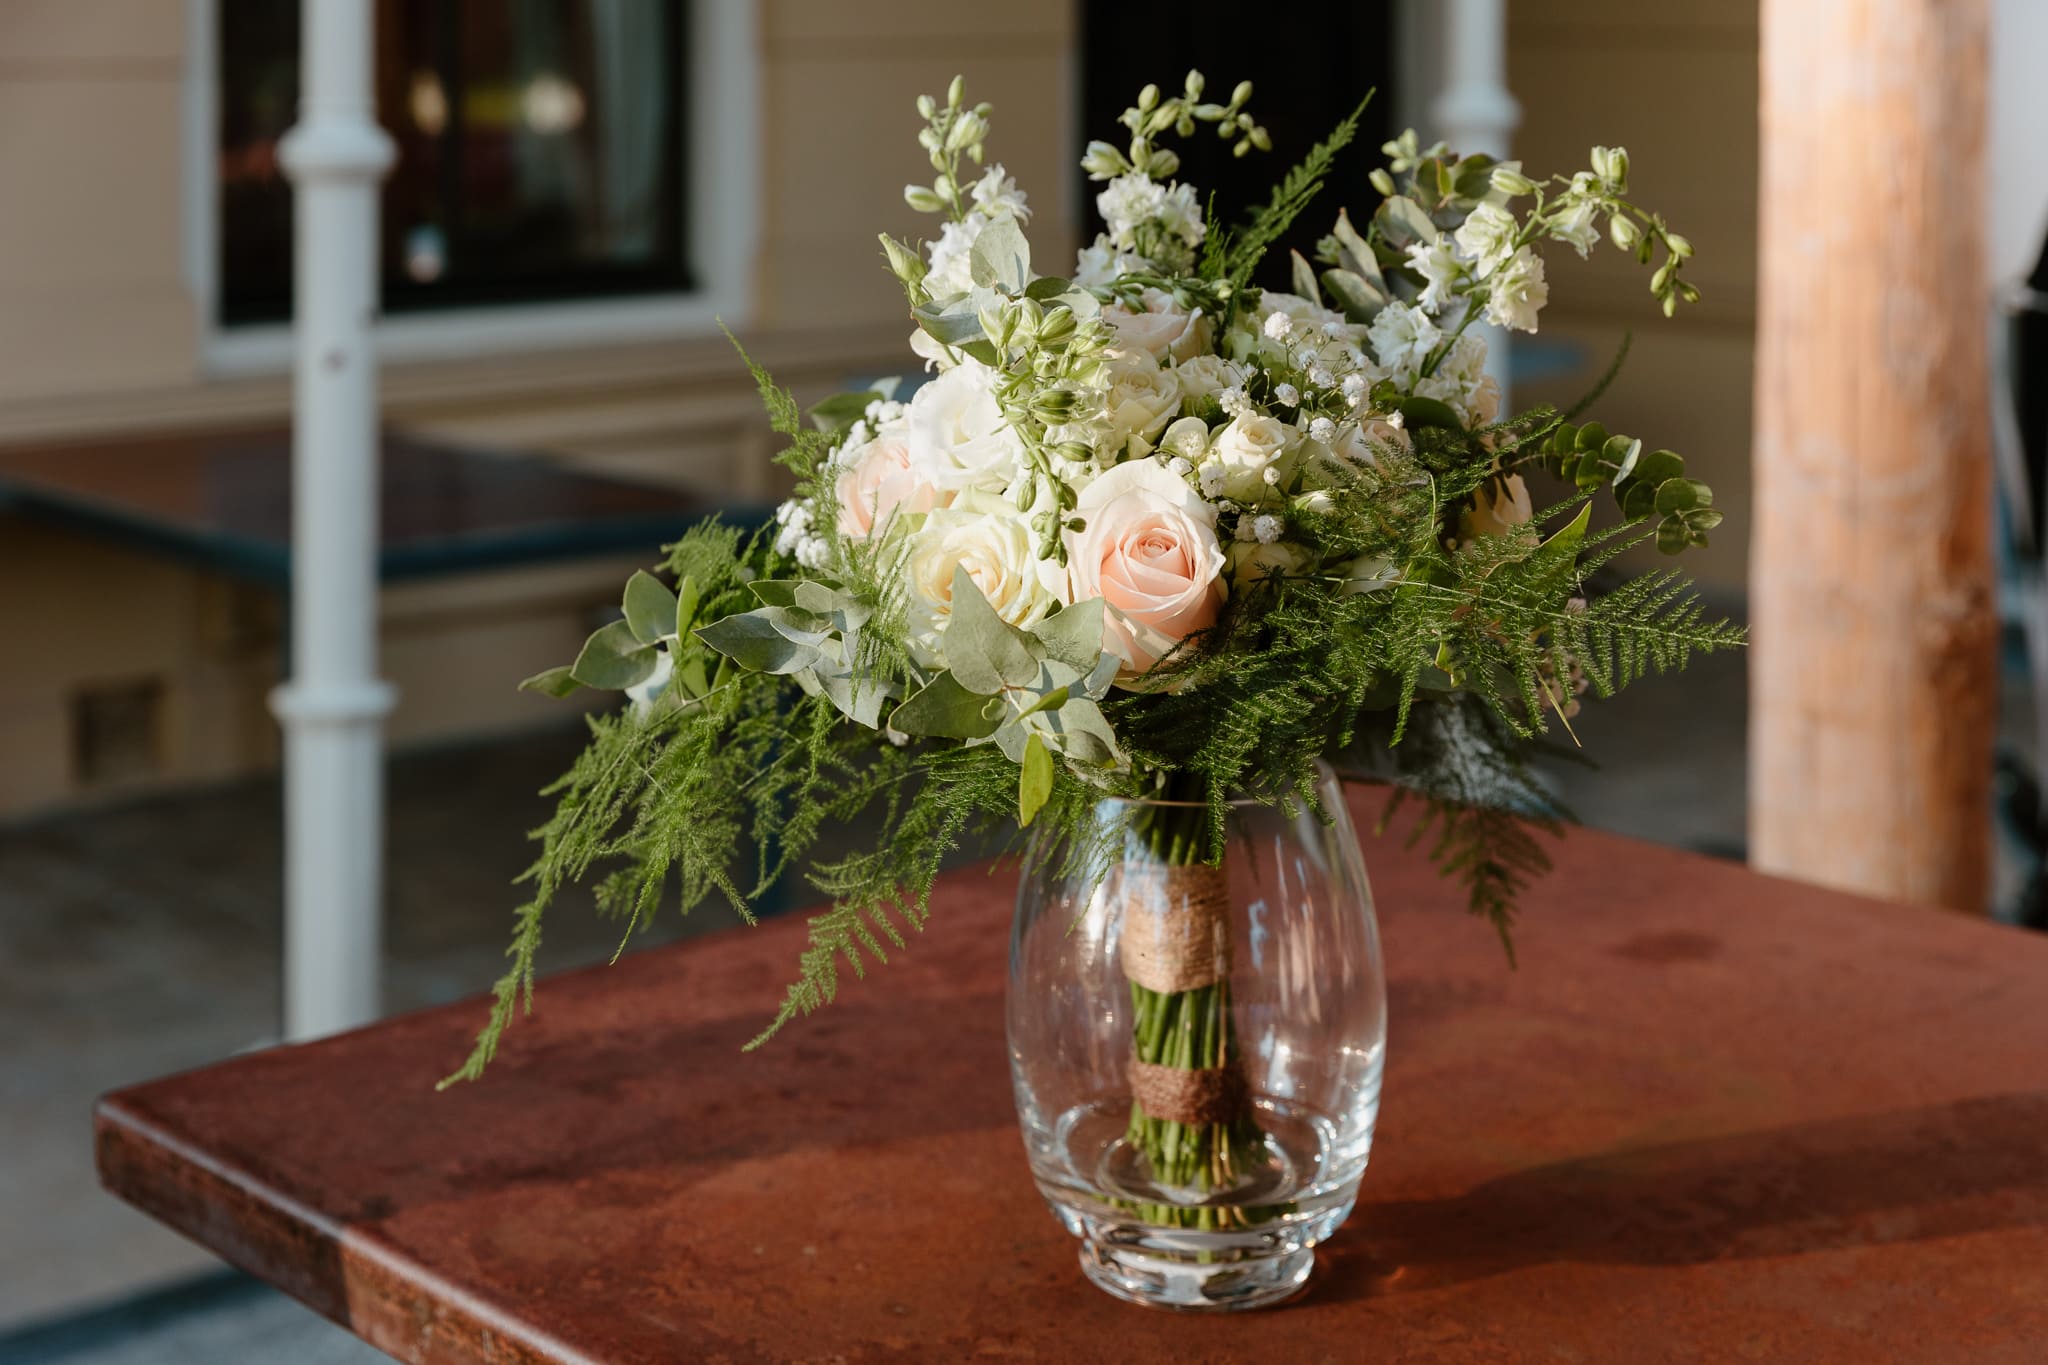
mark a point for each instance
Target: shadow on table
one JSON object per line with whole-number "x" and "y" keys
{"x": 1898, "y": 1176}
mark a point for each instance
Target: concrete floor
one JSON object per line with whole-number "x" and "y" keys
{"x": 143, "y": 940}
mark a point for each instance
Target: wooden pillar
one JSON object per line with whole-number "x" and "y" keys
{"x": 1873, "y": 680}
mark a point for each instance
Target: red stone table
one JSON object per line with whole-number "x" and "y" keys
{"x": 1712, "y": 1117}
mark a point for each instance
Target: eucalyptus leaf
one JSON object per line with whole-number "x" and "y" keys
{"x": 614, "y": 659}
{"x": 1360, "y": 299}
{"x": 1046, "y": 288}
{"x": 954, "y": 324}
{"x": 945, "y": 709}
{"x": 751, "y": 640}
{"x": 650, "y": 607}
{"x": 1430, "y": 412}
{"x": 1304, "y": 278}
{"x": 987, "y": 652}
{"x": 554, "y": 682}
{"x": 1000, "y": 257}
{"x": 1073, "y": 635}
{"x": 775, "y": 592}
{"x": 686, "y": 605}
{"x": 842, "y": 410}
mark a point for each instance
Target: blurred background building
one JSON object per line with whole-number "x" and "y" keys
{"x": 584, "y": 190}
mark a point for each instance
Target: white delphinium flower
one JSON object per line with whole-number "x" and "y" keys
{"x": 1439, "y": 265}
{"x": 1402, "y": 338}
{"x": 958, "y": 435}
{"x": 1181, "y": 215}
{"x": 1518, "y": 292}
{"x": 996, "y": 194}
{"x": 1576, "y": 226}
{"x": 1289, "y": 396}
{"x": 1101, "y": 264}
{"x": 1487, "y": 236}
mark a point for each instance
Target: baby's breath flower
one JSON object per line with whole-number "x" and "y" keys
{"x": 1288, "y": 395}
{"x": 1278, "y": 326}
{"x": 1266, "y": 528}
{"x": 1320, "y": 377}
{"x": 1354, "y": 388}
{"x": 1322, "y": 429}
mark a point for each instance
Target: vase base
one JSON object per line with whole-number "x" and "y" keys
{"x": 1183, "y": 1286}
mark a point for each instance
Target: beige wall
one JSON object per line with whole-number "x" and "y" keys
{"x": 99, "y": 333}
{"x": 1676, "y": 85}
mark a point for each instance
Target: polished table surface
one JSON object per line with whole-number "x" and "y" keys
{"x": 222, "y": 499}
{"x": 1712, "y": 1117}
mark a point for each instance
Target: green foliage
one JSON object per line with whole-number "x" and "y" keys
{"x": 1236, "y": 259}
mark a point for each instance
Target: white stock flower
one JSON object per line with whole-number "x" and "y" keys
{"x": 1149, "y": 550}
{"x": 1439, "y": 265}
{"x": 996, "y": 194}
{"x": 1402, "y": 338}
{"x": 1461, "y": 380}
{"x": 983, "y": 534}
{"x": 1162, "y": 329}
{"x": 1142, "y": 399}
{"x": 1182, "y": 215}
{"x": 1126, "y": 202}
{"x": 1487, "y": 236}
{"x": 1205, "y": 376}
{"x": 958, "y": 436}
{"x": 1518, "y": 293}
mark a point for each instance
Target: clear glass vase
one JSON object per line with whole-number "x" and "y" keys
{"x": 1197, "y": 1049}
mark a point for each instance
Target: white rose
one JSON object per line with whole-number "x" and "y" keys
{"x": 1205, "y": 376}
{"x": 1164, "y": 330}
{"x": 1149, "y": 550}
{"x": 1402, "y": 338}
{"x": 1518, "y": 292}
{"x": 958, "y": 436}
{"x": 1251, "y": 561}
{"x": 1187, "y": 438}
{"x": 992, "y": 541}
{"x": 1487, "y": 236}
{"x": 1244, "y": 449}
{"x": 876, "y": 482}
{"x": 1142, "y": 399}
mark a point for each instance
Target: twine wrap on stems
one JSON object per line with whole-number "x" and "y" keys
{"x": 1179, "y": 1095}
{"x": 1176, "y": 929}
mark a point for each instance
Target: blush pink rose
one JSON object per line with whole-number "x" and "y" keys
{"x": 877, "y": 484}
{"x": 1148, "y": 549}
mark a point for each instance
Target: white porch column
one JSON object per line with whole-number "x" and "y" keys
{"x": 1476, "y": 113}
{"x": 333, "y": 707}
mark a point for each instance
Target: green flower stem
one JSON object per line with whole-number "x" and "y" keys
{"x": 1190, "y": 1029}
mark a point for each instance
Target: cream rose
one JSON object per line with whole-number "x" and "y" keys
{"x": 986, "y": 536}
{"x": 876, "y": 483}
{"x": 1240, "y": 454}
{"x": 1149, "y": 550}
{"x": 958, "y": 436}
{"x": 1251, "y": 561}
{"x": 1205, "y": 376}
{"x": 1163, "y": 330}
{"x": 1500, "y": 507}
{"x": 1142, "y": 399}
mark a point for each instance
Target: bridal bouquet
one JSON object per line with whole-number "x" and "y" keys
{"x": 1141, "y": 528}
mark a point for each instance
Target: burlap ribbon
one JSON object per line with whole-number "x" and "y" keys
{"x": 1176, "y": 925}
{"x": 1180, "y": 1095}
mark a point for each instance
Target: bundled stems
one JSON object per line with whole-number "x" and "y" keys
{"x": 1190, "y": 1030}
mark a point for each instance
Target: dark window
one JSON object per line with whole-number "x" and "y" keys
{"x": 540, "y": 151}
{"x": 1301, "y": 88}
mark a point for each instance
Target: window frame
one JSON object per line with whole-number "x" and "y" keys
{"x": 723, "y": 125}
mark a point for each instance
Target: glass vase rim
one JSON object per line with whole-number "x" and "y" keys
{"x": 1325, "y": 774}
